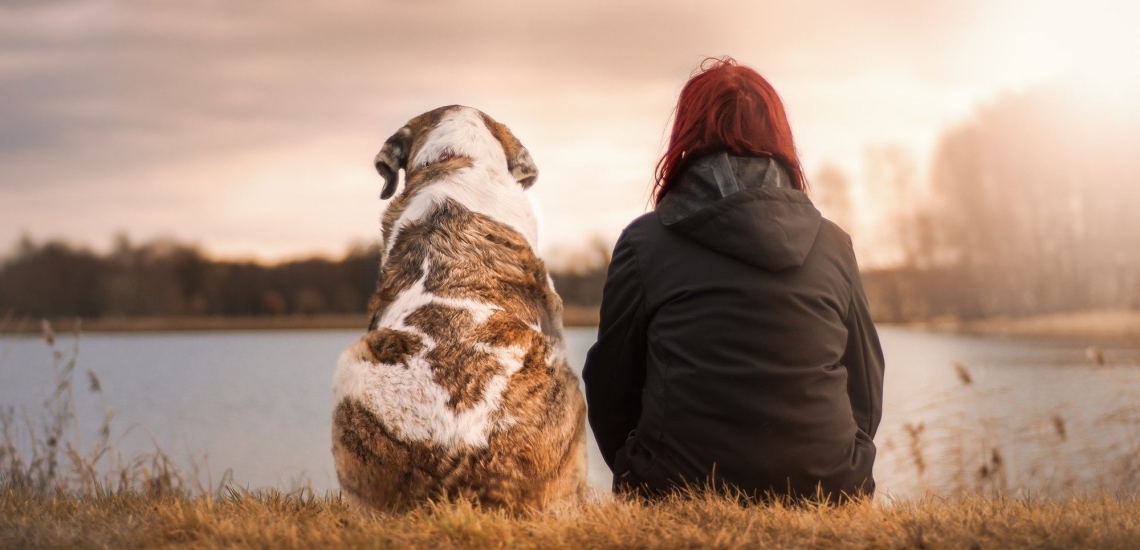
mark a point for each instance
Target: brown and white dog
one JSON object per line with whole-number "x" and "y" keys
{"x": 461, "y": 387}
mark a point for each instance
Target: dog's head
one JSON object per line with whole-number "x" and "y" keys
{"x": 449, "y": 132}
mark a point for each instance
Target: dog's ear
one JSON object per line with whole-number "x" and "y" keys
{"x": 518, "y": 158}
{"x": 392, "y": 157}
{"x": 522, "y": 166}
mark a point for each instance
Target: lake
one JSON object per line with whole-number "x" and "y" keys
{"x": 959, "y": 411}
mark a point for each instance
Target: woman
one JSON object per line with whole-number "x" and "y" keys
{"x": 735, "y": 345}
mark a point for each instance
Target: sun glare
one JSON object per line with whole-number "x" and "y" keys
{"x": 1094, "y": 42}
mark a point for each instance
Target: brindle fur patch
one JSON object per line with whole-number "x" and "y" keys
{"x": 392, "y": 347}
{"x": 462, "y": 244}
{"x": 459, "y": 367}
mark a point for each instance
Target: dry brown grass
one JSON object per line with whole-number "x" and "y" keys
{"x": 275, "y": 520}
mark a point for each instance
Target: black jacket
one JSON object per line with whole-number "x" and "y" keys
{"x": 735, "y": 338}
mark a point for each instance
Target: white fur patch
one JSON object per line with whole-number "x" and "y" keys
{"x": 406, "y": 398}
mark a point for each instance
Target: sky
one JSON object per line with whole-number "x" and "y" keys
{"x": 250, "y": 127}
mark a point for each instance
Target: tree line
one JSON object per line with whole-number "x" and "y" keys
{"x": 167, "y": 278}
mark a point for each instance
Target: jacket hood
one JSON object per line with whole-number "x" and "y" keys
{"x": 744, "y": 207}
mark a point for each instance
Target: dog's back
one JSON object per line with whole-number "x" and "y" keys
{"x": 461, "y": 388}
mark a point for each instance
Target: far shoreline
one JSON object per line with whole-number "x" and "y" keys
{"x": 572, "y": 317}
{"x": 1092, "y": 327}
{"x": 1110, "y": 327}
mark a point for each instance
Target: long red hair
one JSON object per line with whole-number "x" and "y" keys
{"x": 726, "y": 106}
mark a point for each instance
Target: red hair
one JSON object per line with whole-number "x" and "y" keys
{"x": 727, "y": 107}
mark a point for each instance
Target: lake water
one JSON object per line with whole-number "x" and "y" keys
{"x": 1033, "y": 415}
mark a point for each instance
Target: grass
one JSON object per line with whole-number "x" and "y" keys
{"x": 300, "y": 520}
{"x": 57, "y": 492}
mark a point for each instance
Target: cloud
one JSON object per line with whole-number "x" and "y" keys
{"x": 92, "y": 78}
{"x": 139, "y": 107}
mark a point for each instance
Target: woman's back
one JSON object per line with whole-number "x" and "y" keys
{"x": 735, "y": 338}
{"x": 735, "y": 345}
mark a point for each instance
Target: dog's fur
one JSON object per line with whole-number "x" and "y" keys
{"x": 461, "y": 388}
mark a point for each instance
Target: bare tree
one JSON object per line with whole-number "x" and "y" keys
{"x": 1034, "y": 203}
{"x": 831, "y": 193}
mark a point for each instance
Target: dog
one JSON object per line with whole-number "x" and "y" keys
{"x": 461, "y": 387}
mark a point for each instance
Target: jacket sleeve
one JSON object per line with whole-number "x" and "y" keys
{"x": 614, "y": 373}
{"x": 864, "y": 361}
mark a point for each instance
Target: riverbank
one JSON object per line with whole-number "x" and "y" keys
{"x": 1103, "y": 326}
{"x": 275, "y": 520}
{"x": 1111, "y": 326}
{"x": 572, "y": 317}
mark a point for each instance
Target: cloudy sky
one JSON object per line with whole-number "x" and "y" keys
{"x": 249, "y": 127}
